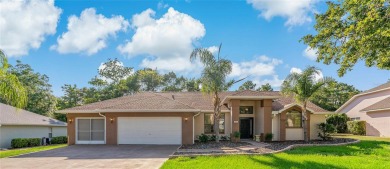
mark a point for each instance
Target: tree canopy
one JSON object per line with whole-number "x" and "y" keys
{"x": 353, "y": 30}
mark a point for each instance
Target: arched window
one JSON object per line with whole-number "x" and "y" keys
{"x": 293, "y": 119}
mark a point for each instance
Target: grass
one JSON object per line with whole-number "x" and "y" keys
{"x": 371, "y": 152}
{"x": 16, "y": 152}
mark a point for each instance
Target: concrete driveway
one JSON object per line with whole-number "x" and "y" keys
{"x": 94, "y": 156}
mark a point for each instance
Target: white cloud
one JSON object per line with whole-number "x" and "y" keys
{"x": 24, "y": 25}
{"x": 162, "y": 5}
{"x": 166, "y": 42}
{"x": 296, "y": 11}
{"x": 297, "y": 70}
{"x": 259, "y": 70}
{"x": 213, "y": 49}
{"x": 89, "y": 32}
{"x": 310, "y": 53}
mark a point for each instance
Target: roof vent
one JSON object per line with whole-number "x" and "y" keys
{"x": 173, "y": 97}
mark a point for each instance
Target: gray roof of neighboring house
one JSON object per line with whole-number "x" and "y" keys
{"x": 383, "y": 104}
{"x": 13, "y": 116}
{"x": 171, "y": 101}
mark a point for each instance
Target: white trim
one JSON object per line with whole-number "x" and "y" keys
{"x": 45, "y": 125}
{"x": 355, "y": 96}
{"x": 129, "y": 111}
{"x": 89, "y": 142}
{"x": 371, "y": 110}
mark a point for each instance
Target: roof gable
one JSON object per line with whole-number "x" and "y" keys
{"x": 381, "y": 105}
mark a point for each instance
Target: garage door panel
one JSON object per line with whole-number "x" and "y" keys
{"x": 149, "y": 130}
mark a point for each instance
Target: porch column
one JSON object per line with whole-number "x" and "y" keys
{"x": 267, "y": 104}
{"x": 282, "y": 123}
{"x": 235, "y": 112}
{"x": 308, "y": 124}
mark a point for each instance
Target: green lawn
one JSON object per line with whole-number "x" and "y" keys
{"x": 16, "y": 152}
{"x": 371, "y": 152}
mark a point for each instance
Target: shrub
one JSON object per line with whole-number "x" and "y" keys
{"x": 237, "y": 134}
{"x": 269, "y": 136}
{"x": 357, "y": 127}
{"x": 59, "y": 140}
{"x": 326, "y": 130}
{"x": 225, "y": 138}
{"x": 34, "y": 142}
{"x": 212, "y": 137}
{"x": 19, "y": 143}
{"x": 203, "y": 138}
{"x": 339, "y": 121}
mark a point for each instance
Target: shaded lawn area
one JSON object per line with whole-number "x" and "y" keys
{"x": 369, "y": 153}
{"x": 16, "y": 152}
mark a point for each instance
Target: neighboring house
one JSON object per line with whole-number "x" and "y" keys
{"x": 18, "y": 123}
{"x": 180, "y": 117}
{"x": 372, "y": 106}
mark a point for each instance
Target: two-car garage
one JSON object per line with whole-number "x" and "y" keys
{"x": 149, "y": 130}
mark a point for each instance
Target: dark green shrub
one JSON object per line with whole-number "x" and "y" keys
{"x": 59, "y": 140}
{"x": 237, "y": 134}
{"x": 32, "y": 142}
{"x": 269, "y": 136}
{"x": 326, "y": 130}
{"x": 225, "y": 138}
{"x": 203, "y": 138}
{"x": 357, "y": 127}
{"x": 213, "y": 138}
{"x": 339, "y": 121}
{"x": 19, "y": 143}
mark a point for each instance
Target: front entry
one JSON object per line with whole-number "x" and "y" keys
{"x": 246, "y": 127}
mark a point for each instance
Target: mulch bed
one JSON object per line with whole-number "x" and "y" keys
{"x": 214, "y": 145}
{"x": 279, "y": 145}
{"x": 270, "y": 148}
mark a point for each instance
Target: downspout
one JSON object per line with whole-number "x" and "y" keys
{"x": 105, "y": 121}
{"x": 193, "y": 126}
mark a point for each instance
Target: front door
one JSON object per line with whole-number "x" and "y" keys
{"x": 246, "y": 127}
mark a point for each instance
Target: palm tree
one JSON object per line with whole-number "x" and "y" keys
{"x": 302, "y": 86}
{"x": 11, "y": 90}
{"x": 214, "y": 79}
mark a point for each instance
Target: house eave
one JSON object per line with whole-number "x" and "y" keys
{"x": 130, "y": 111}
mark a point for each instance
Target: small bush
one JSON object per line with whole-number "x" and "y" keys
{"x": 237, "y": 134}
{"x": 357, "y": 127}
{"x": 225, "y": 138}
{"x": 59, "y": 140}
{"x": 213, "y": 138}
{"x": 19, "y": 143}
{"x": 326, "y": 130}
{"x": 203, "y": 138}
{"x": 339, "y": 121}
{"x": 269, "y": 136}
{"x": 32, "y": 142}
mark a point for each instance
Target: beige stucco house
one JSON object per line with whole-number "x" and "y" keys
{"x": 180, "y": 117}
{"x": 18, "y": 123}
{"x": 372, "y": 106}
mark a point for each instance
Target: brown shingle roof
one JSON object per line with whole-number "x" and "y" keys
{"x": 284, "y": 102}
{"x": 12, "y": 116}
{"x": 178, "y": 101}
{"x": 380, "y": 87}
{"x": 383, "y": 104}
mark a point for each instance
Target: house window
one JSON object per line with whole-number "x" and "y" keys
{"x": 209, "y": 123}
{"x": 294, "y": 119}
{"x": 50, "y": 132}
{"x": 246, "y": 109}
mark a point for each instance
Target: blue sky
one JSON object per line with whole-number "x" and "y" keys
{"x": 68, "y": 40}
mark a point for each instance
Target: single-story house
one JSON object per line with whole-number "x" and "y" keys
{"x": 372, "y": 106}
{"x": 180, "y": 117}
{"x": 18, "y": 123}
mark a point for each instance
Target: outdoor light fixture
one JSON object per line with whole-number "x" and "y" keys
{"x": 112, "y": 120}
{"x": 70, "y": 121}
{"x": 186, "y": 119}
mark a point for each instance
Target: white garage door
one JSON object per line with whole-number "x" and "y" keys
{"x": 149, "y": 130}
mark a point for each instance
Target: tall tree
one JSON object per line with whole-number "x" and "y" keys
{"x": 265, "y": 87}
{"x": 173, "y": 83}
{"x": 214, "y": 79}
{"x": 248, "y": 85}
{"x": 12, "y": 90}
{"x": 333, "y": 95}
{"x": 192, "y": 85}
{"x": 40, "y": 96}
{"x": 149, "y": 79}
{"x": 114, "y": 71}
{"x": 353, "y": 30}
{"x": 302, "y": 87}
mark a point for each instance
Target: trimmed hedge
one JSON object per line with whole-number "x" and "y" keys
{"x": 339, "y": 121}
{"x": 59, "y": 140}
{"x": 357, "y": 127}
{"x": 25, "y": 142}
